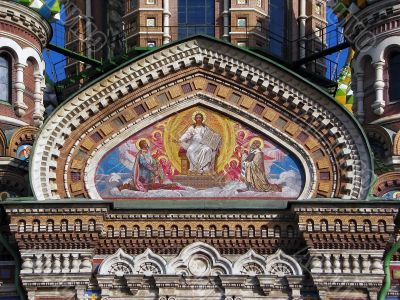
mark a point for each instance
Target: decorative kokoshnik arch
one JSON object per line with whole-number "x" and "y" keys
{"x": 256, "y": 92}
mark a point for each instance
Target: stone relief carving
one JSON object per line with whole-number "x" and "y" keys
{"x": 200, "y": 259}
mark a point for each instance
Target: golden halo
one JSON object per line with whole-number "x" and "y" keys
{"x": 153, "y": 134}
{"x": 139, "y": 140}
{"x": 395, "y": 195}
{"x": 197, "y": 112}
{"x": 244, "y": 131}
{"x": 257, "y": 139}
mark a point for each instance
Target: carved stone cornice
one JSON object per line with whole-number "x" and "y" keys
{"x": 27, "y": 19}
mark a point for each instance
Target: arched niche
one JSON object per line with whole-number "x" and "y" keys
{"x": 285, "y": 172}
{"x": 199, "y": 71}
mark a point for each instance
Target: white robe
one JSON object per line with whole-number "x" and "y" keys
{"x": 201, "y": 157}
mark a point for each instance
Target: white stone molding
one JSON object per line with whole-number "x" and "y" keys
{"x": 166, "y": 24}
{"x": 118, "y": 264}
{"x": 280, "y": 264}
{"x": 348, "y": 262}
{"x": 149, "y": 264}
{"x": 379, "y": 104}
{"x": 19, "y": 106}
{"x": 199, "y": 259}
{"x": 209, "y": 53}
{"x": 56, "y": 262}
{"x": 26, "y": 18}
{"x": 251, "y": 264}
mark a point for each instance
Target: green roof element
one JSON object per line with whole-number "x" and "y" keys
{"x": 344, "y": 94}
{"x": 346, "y": 8}
{"x": 48, "y": 9}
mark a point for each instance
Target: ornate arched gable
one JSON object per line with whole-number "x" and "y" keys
{"x": 202, "y": 73}
{"x": 118, "y": 264}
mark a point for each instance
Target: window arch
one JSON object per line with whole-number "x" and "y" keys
{"x": 338, "y": 225}
{"x": 36, "y": 226}
{"x": 161, "y": 231}
{"x": 186, "y": 231}
{"x": 200, "y": 231}
{"x": 64, "y": 225}
{"x": 277, "y": 231}
{"x": 381, "y": 226}
{"x": 264, "y": 231}
{"x": 21, "y": 226}
{"x": 352, "y": 226}
{"x": 50, "y": 225}
{"x": 310, "y": 225}
{"x": 213, "y": 231}
{"x": 225, "y": 231}
{"x": 174, "y": 231}
{"x": 367, "y": 226}
{"x": 324, "y": 225}
{"x": 122, "y": 231}
{"x": 251, "y": 231}
{"x": 136, "y": 231}
{"x": 110, "y": 231}
{"x": 5, "y": 77}
{"x": 149, "y": 231}
{"x": 92, "y": 225}
{"x": 238, "y": 231}
{"x": 78, "y": 225}
{"x": 394, "y": 76}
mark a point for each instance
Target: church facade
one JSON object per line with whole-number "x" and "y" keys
{"x": 200, "y": 169}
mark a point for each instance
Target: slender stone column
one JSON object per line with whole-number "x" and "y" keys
{"x": 302, "y": 28}
{"x": 360, "y": 96}
{"x": 166, "y": 16}
{"x": 19, "y": 106}
{"x": 38, "y": 98}
{"x": 225, "y": 16}
{"x": 379, "y": 104}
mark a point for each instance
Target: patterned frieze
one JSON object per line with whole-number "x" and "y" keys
{"x": 336, "y": 148}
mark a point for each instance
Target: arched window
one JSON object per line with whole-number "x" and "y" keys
{"x": 310, "y": 225}
{"x": 381, "y": 226}
{"x": 367, "y": 226}
{"x": 110, "y": 231}
{"x": 225, "y": 231}
{"x": 186, "y": 231}
{"x": 92, "y": 225}
{"x": 50, "y": 225}
{"x": 149, "y": 231}
{"x": 161, "y": 231}
{"x": 64, "y": 225}
{"x": 277, "y": 231}
{"x": 251, "y": 231}
{"x": 122, "y": 231}
{"x": 174, "y": 231}
{"x": 36, "y": 226}
{"x": 21, "y": 226}
{"x": 136, "y": 231}
{"x": 264, "y": 231}
{"x": 213, "y": 230}
{"x": 200, "y": 230}
{"x": 238, "y": 231}
{"x": 5, "y": 77}
{"x": 78, "y": 225}
{"x": 324, "y": 225}
{"x": 338, "y": 225}
{"x": 394, "y": 77}
{"x": 352, "y": 226}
